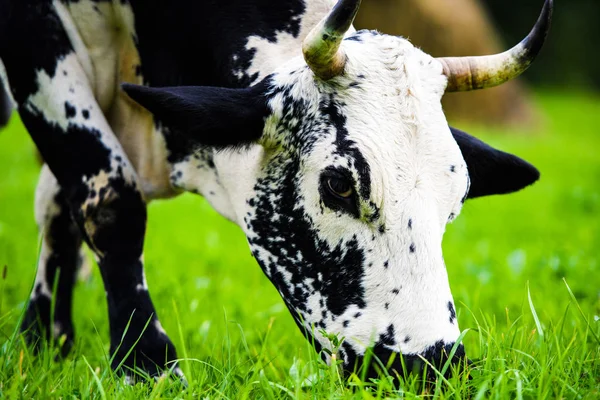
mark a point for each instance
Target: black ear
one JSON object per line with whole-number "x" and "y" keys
{"x": 493, "y": 171}
{"x": 212, "y": 116}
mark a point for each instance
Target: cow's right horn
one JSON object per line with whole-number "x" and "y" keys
{"x": 471, "y": 73}
{"x": 321, "y": 47}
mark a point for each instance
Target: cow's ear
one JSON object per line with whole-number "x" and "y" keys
{"x": 493, "y": 171}
{"x": 210, "y": 116}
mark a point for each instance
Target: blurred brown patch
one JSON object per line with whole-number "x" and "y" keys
{"x": 455, "y": 28}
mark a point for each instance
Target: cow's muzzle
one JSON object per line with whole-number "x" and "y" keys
{"x": 440, "y": 359}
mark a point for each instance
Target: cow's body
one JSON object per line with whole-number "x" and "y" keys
{"x": 243, "y": 41}
{"x": 101, "y": 44}
{"x": 334, "y": 263}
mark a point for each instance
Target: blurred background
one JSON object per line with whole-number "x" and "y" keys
{"x": 504, "y": 253}
{"x": 569, "y": 60}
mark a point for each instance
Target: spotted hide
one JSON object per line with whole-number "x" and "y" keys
{"x": 327, "y": 146}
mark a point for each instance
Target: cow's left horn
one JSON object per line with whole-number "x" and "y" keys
{"x": 321, "y": 47}
{"x": 471, "y": 73}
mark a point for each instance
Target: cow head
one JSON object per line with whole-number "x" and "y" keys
{"x": 358, "y": 176}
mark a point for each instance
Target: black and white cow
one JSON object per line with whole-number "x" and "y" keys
{"x": 339, "y": 166}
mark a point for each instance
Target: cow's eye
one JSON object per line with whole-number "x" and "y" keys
{"x": 340, "y": 187}
{"x": 337, "y": 191}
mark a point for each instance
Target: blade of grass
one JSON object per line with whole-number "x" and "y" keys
{"x": 534, "y": 313}
{"x": 581, "y": 312}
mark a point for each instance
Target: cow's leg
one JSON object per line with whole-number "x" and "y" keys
{"x": 5, "y": 106}
{"x": 58, "y": 262}
{"x": 46, "y": 63}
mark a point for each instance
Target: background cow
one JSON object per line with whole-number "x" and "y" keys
{"x": 341, "y": 168}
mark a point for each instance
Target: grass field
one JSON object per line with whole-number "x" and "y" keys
{"x": 524, "y": 270}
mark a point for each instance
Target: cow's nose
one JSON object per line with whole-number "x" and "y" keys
{"x": 436, "y": 356}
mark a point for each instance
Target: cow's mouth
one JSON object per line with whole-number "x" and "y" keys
{"x": 438, "y": 360}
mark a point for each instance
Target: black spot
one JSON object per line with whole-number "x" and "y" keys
{"x": 374, "y": 214}
{"x": 387, "y": 305}
{"x": 451, "y": 216}
{"x": 395, "y": 291}
{"x": 410, "y": 223}
{"x": 452, "y": 168}
{"x": 381, "y": 229}
{"x": 452, "y": 312}
{"x": 70, "y": 110}
{"x": 358, "y": 314}
{"x": 407, "y": 339}
{"x": 74, "y": 153}
{"x": 354, "y": 38}
{"x": 388, "y": 337}
{"x": 85, "y": 113}
{"x": 412, "y": 248}
{"x": 386, "y": 264}
{"x": 345, "y": 147}
{"x": 346, "y": 323}
{"x": 466, "y": 195}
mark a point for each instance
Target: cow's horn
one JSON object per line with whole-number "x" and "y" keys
{"x": 471, "y": 73}
{"x": 321, "y": 47}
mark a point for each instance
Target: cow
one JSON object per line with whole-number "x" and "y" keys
{"x": 328, "y": 147}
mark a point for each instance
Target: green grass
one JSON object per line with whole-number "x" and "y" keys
{"x": 523, "y": 270}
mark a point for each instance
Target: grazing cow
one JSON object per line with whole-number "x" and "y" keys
{"x": 340, "y": 166}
